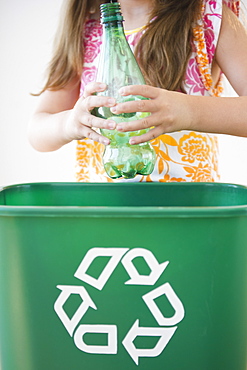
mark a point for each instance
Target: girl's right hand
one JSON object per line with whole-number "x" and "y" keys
{"x": 81, "y": 122}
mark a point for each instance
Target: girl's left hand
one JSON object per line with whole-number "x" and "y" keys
{"x": 170, "y": 111}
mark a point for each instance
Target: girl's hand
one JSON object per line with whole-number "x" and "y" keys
{"x": 170, "y": 111}
{"x": 81, "y": 122}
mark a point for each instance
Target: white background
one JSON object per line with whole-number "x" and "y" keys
{"x": 27, "y": 29}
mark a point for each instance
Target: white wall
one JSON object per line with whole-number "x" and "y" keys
{"x": 26, "y": 32}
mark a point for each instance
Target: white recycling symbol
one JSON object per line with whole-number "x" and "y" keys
{"x": 167, "y": 325}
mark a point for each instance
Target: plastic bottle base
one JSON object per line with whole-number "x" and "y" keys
{"x": 120, "y": 171}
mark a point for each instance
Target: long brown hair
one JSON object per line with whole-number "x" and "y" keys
{"x": 165, "y": 47}
{"x": 162, "y": 52}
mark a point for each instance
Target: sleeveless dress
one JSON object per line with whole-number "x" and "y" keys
{"x": 180, "y": 156}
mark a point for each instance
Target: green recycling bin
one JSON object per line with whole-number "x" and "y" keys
{"x": 123, "y": 276}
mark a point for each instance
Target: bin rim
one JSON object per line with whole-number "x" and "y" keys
{"x": 124, "y": 211}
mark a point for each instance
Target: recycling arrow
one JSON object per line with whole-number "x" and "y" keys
{"x": 110, "y": 330}
{"x": 165, "y": 335}
{"x": 115, "y": 255}
{"x": 175, "y": 302}
{"x": 137, "y": 279}
{"x": 66, "y": 291}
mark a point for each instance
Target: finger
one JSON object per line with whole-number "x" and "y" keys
{"x": 133, "y": 106}
{"x": 146, "y": 91}
{"x": 90, "y": 121}
{"x": 137, "y": 125}
{"x": 94, "y": 101}
{"x": 94, "y": 87}
{"x": 95, "y": 136}
{"x": 150, "y": 135}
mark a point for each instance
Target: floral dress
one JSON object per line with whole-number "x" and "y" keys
{"x": 180, "y": 156}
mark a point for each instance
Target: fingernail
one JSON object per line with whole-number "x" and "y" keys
{"x": 111, "y": 101}
{"x": 122, "y": 91}
{"x": 119, "y": 127}
{"x": 106, "y": 141}
{"x": 113, "y": 109}
{"x": 132, "y": 141}
{"x": 102, "y": 86}
{"x": 111, "y": 125}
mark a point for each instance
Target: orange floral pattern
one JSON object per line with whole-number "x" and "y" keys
{"x": 180, "y": 156}
{"x": 194, "y": 147}
{"x": 200, "y": 173}
{"x": 89, "y": 162}
{"x": 204, "y": 54}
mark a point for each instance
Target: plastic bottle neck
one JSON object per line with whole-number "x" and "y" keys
{"x": 111, "y": 14}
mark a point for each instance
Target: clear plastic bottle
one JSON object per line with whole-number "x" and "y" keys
{"x": 118, "y": 67}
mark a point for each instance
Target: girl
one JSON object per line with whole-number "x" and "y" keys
{"x": 183, "y": 48}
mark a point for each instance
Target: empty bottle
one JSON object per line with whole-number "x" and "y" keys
{"x": 118, "y": 67}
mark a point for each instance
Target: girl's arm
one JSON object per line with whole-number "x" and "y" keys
{"x": 61, "y": 117}
{"x": 172, "y": 111}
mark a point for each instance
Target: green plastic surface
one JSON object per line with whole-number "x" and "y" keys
{"x": 165, "y": 287}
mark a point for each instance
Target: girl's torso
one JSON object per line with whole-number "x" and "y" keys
{"x": 180, "y": 156}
